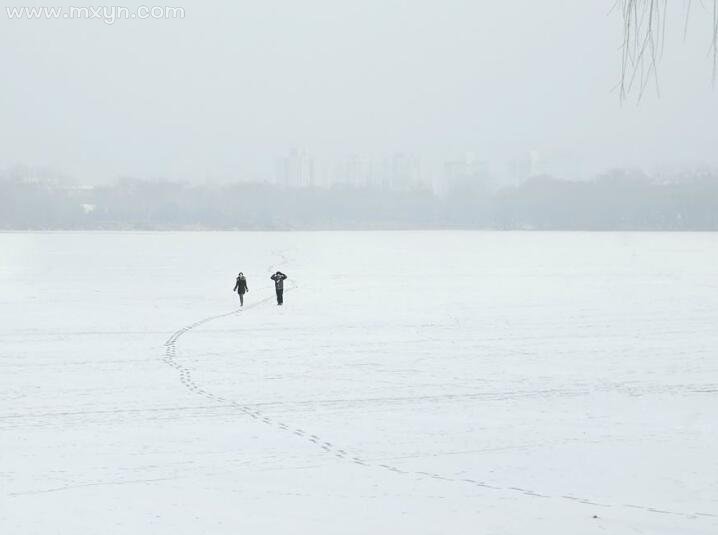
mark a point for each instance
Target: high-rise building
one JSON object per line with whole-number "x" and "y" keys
{"x": 356, "y": 171}
{"x": 296, "y": 170}
{"x": 538, "y": 163}
{"x": 467, "y": 174}
{"x": 401, "y": 172}
{"x": 519, "y": 170}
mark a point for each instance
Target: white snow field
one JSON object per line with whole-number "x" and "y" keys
{"x": 413, "y": 383}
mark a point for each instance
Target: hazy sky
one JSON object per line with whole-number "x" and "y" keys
{"x": 232, "y": 86}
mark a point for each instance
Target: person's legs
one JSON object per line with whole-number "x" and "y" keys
{"x": 241, "y": 299}
{"x": 280, "y": 297}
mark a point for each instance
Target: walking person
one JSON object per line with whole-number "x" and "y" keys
{"x": 278, "y": 279}
{"x": 241, "y": 287}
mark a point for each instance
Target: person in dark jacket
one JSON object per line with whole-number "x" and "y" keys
{"x": 241, "y": 288}
{"x": 278, "y": 279}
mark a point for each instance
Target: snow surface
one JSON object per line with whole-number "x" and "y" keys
{"x": 414, "y": 382}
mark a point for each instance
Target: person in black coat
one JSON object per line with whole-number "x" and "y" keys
{"x": 241, "y": 287}
{"x": 278, "y": 279}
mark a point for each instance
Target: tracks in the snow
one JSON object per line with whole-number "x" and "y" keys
{"x": 185, "y": 376}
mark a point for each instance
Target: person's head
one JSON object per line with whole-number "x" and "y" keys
{"x": 240, "y": 274}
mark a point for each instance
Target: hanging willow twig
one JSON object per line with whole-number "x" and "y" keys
{"x": 715, "y": 40}
{"x": 644, "y": 30}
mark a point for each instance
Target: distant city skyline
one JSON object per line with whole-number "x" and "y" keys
{"x": 397, "y": 171}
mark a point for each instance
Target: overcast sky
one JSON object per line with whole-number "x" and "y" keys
{"x": 223, "y": 92}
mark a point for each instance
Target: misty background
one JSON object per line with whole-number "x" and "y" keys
{"x": 372, "y": 114}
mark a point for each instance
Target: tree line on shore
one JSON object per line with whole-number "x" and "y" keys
{"x": 618, "y": 200}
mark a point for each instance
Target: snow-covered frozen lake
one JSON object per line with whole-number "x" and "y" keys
{"x": 413, "y": 383}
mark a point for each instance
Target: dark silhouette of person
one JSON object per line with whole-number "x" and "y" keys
{"x": 241, "y": 287}
{"x": 278, "y": 279}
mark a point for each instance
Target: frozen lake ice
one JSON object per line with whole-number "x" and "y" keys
{"x": 414, "y": 382}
